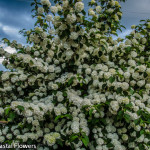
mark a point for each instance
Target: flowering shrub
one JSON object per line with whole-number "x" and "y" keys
{"x": 73, "y": 86}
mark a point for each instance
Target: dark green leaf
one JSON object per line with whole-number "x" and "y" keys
{"x": 73, "y": 137}
{"x": 7, "y": 110}
{"x": 20, "y": 107}
{"x": 111, "y": 79}
{"x": 85, "y": 140}
{"x": 70, "y": 81}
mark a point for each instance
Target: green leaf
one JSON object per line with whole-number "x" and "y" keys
{"x": 90, "y": 112}
{"x": 142, "y": 132}
{"x": 141, "y": 147}
{"x": 119, "y": 90}
{"x": 56, "y": 119}
{"x": 131, "y": 91}
{"x": 32, "y": 3}
{"x": 21, "y": 108}
{"x": 31, "y": 62}
{"x": 110, "y": 145}
{"x": 81, "y": 84}
{"x": 129, "y": 105}
{"x": 79, "y": 78}
{"x": 85, "y": 140}
{"x": 127, "y": 118}
{"x": 29, "y": 141}
{"x": 59, "y": 142}
{"x": 120, "y": 115}
{"x": 63, "y": 116}
{"x": 1, "y": 72}
{"x": 73, "y": 137}
{"x": 11, "y": 116}
{"x": 64, "y": 94}
{"x": 128, "y": 49}
{"x": 7, "y": 110}
{"x": 71, "y": 81}
{"x": 69, "y": 116}
{"x": 136, "y": 121}
{"x": 111, "y": 79}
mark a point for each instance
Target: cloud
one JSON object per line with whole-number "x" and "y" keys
{"x": 10, "y": 50}
{"x": 135, "y": 9}
{"x": 124, "y": 33}
{"x": 11, "y": 31}
{"x": 1, "y": 60}
{"x": 1, "y": 25}
{"x": 2, "y": 68}
{"x": 13, "y": 18}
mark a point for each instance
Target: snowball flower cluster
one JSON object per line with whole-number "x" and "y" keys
{"x": 75, "y": 87}
{"x": 79, "y": 6}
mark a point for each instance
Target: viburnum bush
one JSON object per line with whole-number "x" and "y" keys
{"x": 74, "y": 86}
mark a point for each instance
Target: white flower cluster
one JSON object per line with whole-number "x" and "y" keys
{"x": 46, "y": 2}
{"x": 50, "y": 139}
{"x": 79, "y": 6}
{"x": 73, "y": 85}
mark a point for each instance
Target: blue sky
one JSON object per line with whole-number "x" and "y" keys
{"x": 16, "y": 15}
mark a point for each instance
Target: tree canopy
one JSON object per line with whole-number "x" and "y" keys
{"x": 73, "y": 86}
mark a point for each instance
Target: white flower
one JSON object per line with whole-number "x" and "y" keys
{"x": 125, "y": 100}
{"x": 46, "y": 2}
{"x": 114, "y": 105}
{"x": 112, "y": 3}
{"x": 142, "y": 68}
{"x": 133, "y": 26}
{"x": 74, "y": 35}
{"x": 51, "y": 68}
{"x": 91, "y": 12}
{"x": 141, "y": 83}
{"x": 59, "y": 7}
{"x": 147, "y": 86}
{"x": 69, "y": 54}
{"x": 148, "y": 25}
{"x": 128, "y": 42}
{"x": 127, "y": 75}
{"x": 131, "y": 62}
{"x": 2, "y": 139}
{"x": 79, "y": 6}
{"x": 110, "y": 10}
{"x": 140, "y": 139}
{"x": 9, "y": 136}
{"x": 134, "y": 54}
{"x": 98, "y": 9}
{"x": 71, "y": 18}
{"x": 36, "y": 53}
{"x": 49, "y": 18}
{"x": 137, "y": 35}
{"x": 100, "y": 141}
{"x": 144, "y": 40}
{"x": 75, "y": 127}
{"x": 40, "y": 10}
{"x": 54, "y": 9}
{"x": 56, "y": 135}
{"x": 1, "y": 111}
{"x": 107, "y": 75}
{"x": 88, "y": 70}
{"x": 50, "y": 139}
{"x": 124, "y": 137}
{"x": 65, "y": 4}
{"x": 124, "y": 85}
{"x": 134, "y": 42}
{"x": 5, "y": 76}
{"x": 148, "y": 71}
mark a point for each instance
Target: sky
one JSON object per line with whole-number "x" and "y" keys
{"x": 16, "y": 15}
